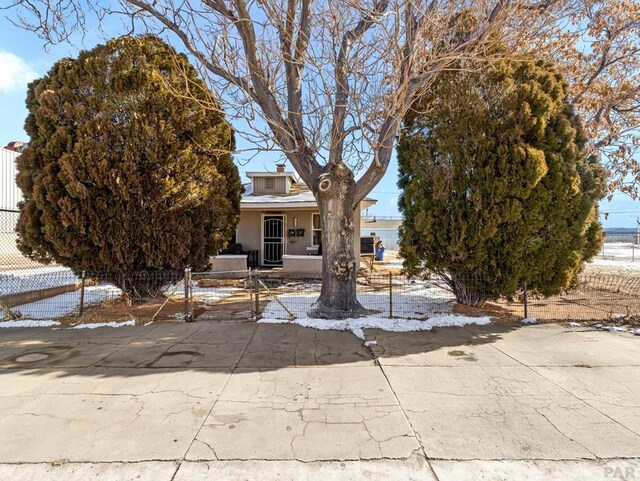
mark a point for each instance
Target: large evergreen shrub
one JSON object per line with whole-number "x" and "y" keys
{"x": 496, "y": 187}
{"x": 126, "y": 170}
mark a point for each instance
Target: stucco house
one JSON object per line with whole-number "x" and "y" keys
{"x": 279, "y": 225}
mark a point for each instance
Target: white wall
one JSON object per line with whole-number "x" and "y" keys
{"x": 10, "y": 195}
{"x": 389, "y": 237}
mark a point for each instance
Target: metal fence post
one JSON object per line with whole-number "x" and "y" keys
{"x": 256, "y": 290}
{"x": 188, "y": 307}
{"x": 390, "y": 294}
{"x": 190, "y": 319}
{"x": 526, "y": 302}
{"x": 82, "y": 278}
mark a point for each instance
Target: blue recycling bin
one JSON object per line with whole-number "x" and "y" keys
{"x": 379, "y": 253}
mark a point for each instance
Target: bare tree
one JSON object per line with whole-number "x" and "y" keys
{"x": 328, "y": 82}
{"x": 597, "y": 47}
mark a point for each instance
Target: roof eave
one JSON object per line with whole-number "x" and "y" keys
{"x": 277, "y": 205}
{"x": 367, "y": 202}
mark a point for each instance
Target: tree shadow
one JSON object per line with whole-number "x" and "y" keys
{"x": 228, "y": 346}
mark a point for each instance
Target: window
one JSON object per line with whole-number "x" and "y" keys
{"x": 269, "y": 183}
{"x": 316, "y": 230}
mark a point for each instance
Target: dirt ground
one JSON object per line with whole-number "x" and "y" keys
{"x": 158, "y": 309}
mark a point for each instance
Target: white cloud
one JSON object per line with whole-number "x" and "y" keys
{"x": 15, "y": 73}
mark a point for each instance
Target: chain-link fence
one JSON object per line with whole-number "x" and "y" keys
{"x": 11, "y": 259}
{"x": 222, "y": 296}
{"x": 139, "y": 297}
{"x": 621, "y": 247}
{"x": 385, "y": 294}
{"x": 231, "y": 295}
{"x": 596, "y": 297}
{"x": 143, "y": 297}
{"x": 62, "y": 296}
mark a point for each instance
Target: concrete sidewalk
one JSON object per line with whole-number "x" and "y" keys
{"x": 218, "y": 401}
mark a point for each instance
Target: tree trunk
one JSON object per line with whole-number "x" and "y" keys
{"x": 335, "y": 193}
{"x": 468, "y": 290}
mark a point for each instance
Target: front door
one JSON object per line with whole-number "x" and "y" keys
{"x": 272, "y": 240}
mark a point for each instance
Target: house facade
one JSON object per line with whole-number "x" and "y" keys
{"x": 280, "y": 221}
{"x": 385, "y": 229}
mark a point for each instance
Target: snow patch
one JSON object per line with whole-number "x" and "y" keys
{"x": 418, "y": 300}
{"x": 529, "y": 321}
{"x": 616, "y": 329}
{"x": 27, "y": 280}
{"x": 67, "y": 303}
{"x": 356, "y": 326}
{"x": 420, "y": 306}
{"x": 205, "y": 295}
{"x": 305, "y": 286}
{"x": 29, "y": 323}
{"x": 620, "y": 263}
{"x": 96, "y": 325}
{"x": 396, "y": 263}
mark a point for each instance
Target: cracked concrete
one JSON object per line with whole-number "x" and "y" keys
{"x": 223, "y": 400}
{"x": 308, "y": 414}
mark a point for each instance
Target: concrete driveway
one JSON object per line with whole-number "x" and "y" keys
{"x": 231, "y": 401}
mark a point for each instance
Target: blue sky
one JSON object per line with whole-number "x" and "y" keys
{"x": 23, "y": 58}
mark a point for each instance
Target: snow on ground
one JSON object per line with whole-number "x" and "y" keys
{"x": 356, "y": 326}
{"x": 67, "y": 303}
{"x": 627, "y": 265}
{"x": 28, "y": 323}
{"x": 619, "y": 252}
{"x": 618, "y": 249}
{"x": 50, "y": 323}
{"x": 416, "y": 301}
{"x": 396, "y": 263}
{"x": 205, "y": 295}
{"x": 301, "y": 287}
{"x": 96, "y": 325}
{"x": 25, "y": 280}
{"x": 419, "y": 307}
